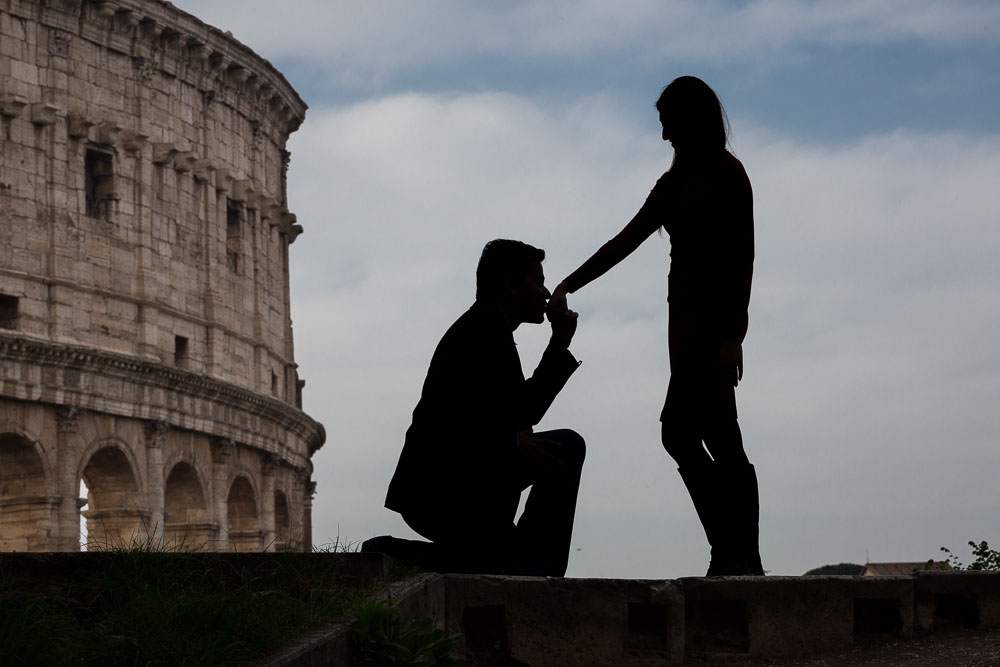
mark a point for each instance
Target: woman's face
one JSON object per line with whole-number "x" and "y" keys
{"x": 668, "y": 126}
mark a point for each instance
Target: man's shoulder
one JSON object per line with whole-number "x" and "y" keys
{"x": 482, "y": 324}
{"x": 480, "y": 317}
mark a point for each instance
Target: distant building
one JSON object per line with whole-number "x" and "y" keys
{"x": 145, "y": 333}
{"x": 895, "y": 569}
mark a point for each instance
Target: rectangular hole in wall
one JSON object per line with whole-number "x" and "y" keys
{"x": 8, "y": 311}
{"x": 955, "y": 612}
{"x": 715, "y": 627}
{"x": 274, "y": 383}
{"x": 647, "y": 629}
{"x": 99, "y": 183}
{"x": 876, "y": 616}
{"x": 485, "y": 629}
{"x": 233, "y": 234}
{"x": 180, "y": 350}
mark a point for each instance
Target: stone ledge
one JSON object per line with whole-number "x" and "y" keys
{"x": 71, "y": 375}
{"x": 539, "y": 621}
{"x": 635, "y": 622}
{"x": 177, "y": 38}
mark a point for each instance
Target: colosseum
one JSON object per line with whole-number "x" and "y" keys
{"x": 145, "y": 335}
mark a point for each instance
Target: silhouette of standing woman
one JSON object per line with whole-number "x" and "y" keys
{"x": 705, "y": 204}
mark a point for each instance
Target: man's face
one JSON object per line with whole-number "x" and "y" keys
{"x": 532, "y": 295}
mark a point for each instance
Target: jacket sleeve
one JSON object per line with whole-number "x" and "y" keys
{"x": 554, "y": 369}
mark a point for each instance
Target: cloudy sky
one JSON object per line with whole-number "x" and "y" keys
{"x": 870, "y": 132}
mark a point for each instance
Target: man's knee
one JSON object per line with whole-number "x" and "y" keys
{"x": 572, "y": 448}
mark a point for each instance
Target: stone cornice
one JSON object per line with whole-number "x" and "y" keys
{"x": 103, "y": 381}
{"x": 161, "y": 307}
{"x": 179, "y": 37}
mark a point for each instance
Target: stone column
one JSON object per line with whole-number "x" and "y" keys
{"x": 67, "y": 537}
{"x": 267, "y": 465}
{"x": 307, "y": 502}
{"x": 156, "y": 435}
{"x": 222, "y": 452}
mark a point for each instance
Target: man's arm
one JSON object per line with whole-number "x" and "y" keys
{"x": 554, "y": 368}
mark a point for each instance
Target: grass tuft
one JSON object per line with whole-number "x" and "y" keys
{"x": 144, "y": 605}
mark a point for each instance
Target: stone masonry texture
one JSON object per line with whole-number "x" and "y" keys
{"x": 145, "y": 335}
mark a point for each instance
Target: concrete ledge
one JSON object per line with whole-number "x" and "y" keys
{"x": 540, "y": 621}
{"x": 957, "y": 600}
{"x": 536, "y": 621}
{"x": 785, "y": 616}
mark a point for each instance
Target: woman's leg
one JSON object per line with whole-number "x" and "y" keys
{"x": 724, "y": 441}
{"x": 738, "y": 503}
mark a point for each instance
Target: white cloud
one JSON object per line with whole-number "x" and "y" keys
{"x": 871, "y": 364}
{"x": 355, "y": 43}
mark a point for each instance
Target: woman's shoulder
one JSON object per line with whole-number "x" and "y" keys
{"x": 731, "y": 165}
{"x": 732, "y": 173}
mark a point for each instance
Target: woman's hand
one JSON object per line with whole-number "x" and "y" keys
{"x": 557, "y": 302}
{"x": 731, "y": 359}
{"x": 563, "y": 319}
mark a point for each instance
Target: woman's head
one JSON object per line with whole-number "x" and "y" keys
{"x": 692, "y": 116}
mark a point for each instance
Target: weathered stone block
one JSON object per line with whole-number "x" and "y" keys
{"x": 781, "y": 616}
{"x": 957, "y": 600}
{"x": 599, "y": 621}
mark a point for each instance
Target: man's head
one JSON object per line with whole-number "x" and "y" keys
{"x": 510, "y": 273}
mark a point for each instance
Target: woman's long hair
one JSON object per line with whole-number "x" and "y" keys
{"x": 696, "y": 114}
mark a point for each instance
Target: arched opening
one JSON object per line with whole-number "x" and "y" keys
{"x": 82, "y": 496}
{"x": 186, "y": 523}
{"x": 114, "y": 518}
{"x": 282, "y": 526}
{"x": 27, "y": 515}
{"x": 244, "y": 525}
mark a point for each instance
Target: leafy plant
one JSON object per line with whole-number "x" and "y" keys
{"x": 986, "y": 558}
{"x": 382, "y": 637}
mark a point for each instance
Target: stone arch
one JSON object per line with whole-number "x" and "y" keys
{"x": 113, "y": 518}
{"x": 16, "y": 429}
{"x": 186, "y": 511}
{"x": 27, "y": 512}
{"x": 282, "y": 522}
{"x": 243, "y": 516}
{"x": 115, "y": 443}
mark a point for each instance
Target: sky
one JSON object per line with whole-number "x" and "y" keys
{"x": 870, "y": 134}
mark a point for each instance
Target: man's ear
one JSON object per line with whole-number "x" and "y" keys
{"x": 511, "y": 286}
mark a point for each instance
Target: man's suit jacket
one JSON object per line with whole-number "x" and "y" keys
{"x": 458, "y": 457}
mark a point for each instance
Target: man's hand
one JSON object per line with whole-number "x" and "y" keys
{"x": 731, "y": 360}
{"x": 563, "y": 319}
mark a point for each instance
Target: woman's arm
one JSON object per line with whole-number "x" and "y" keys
{"x": 737, "y": 250}
{"x": 639, "y": 228}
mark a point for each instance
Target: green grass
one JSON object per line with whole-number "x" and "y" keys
{"x": 144, "y": 606}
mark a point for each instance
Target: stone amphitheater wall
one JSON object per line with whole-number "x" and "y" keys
{"x": 144, "y": 282}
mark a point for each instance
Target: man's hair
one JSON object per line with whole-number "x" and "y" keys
{"x": 503, "y": 258}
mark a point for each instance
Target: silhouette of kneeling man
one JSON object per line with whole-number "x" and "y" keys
{"x": 470, "y": 450}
